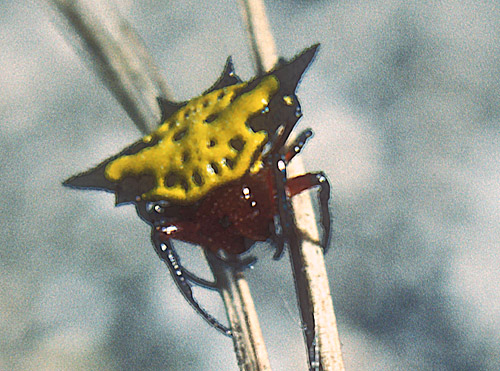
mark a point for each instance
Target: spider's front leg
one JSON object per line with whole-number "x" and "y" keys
{"x": 303, "y": 182}
{"x": 156, "y": 215}
{"x": 294, "y": 149}
{"x": 296, "y": 185}
{"x": 183, "y": 279}
{"x": 161, "y": 235}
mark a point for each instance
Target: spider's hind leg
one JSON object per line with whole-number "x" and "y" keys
{"x": 306, "y": 181}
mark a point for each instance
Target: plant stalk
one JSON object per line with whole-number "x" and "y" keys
{"x": 118, "y": 55}
{"x": 311, "y": 280}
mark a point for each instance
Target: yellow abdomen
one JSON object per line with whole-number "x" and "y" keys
{"x": 203, "y": 145}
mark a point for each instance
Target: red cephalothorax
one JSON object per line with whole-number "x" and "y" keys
{"x": 214, "y": 172}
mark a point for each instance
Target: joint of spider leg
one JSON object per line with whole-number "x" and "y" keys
{"x": 305, "y": 135}
{"x": 304, "y": 236}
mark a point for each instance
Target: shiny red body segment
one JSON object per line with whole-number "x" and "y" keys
{"x": 229, "y": 215}
{"x": 238, "y": 211}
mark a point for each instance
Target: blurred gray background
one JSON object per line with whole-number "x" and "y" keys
{"x": 404, "y": 98}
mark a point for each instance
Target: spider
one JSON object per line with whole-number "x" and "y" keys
{"x": 214, "y": 171}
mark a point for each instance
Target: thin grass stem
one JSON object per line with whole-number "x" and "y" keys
{"x": 313, "y": 291}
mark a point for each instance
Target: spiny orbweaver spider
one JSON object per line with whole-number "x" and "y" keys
{"x": 214, "y": 172}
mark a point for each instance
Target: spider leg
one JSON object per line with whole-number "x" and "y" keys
{"x": 292, "y": 150}
{"x": 149, "y": 212}
{"x": 167, "y": 253}
{"x": 152, "y": 214}
{"x": 285, "y": 224}
{"x": 301, "y": 183}
{"x": 277, "y": 237}
{"x": 236, "y": 262}
{"x": 199, "y": 281}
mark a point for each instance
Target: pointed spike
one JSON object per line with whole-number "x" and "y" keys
{"x": 229, "y": 66}
{"x": 290, "y": 73}
{"x": 95, "y": 178}
{"x": 91, "y": 179}
{"x": 227, "y": 78}
{"x": 121, "y": 199}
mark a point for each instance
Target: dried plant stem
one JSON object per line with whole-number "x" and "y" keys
{"x": 261, "y": 40}
{"x": 311, "y": 266}
{"x": 249, "y": 346}
{"x": 119, "y": 56}
{"x": 315, "y": 302}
